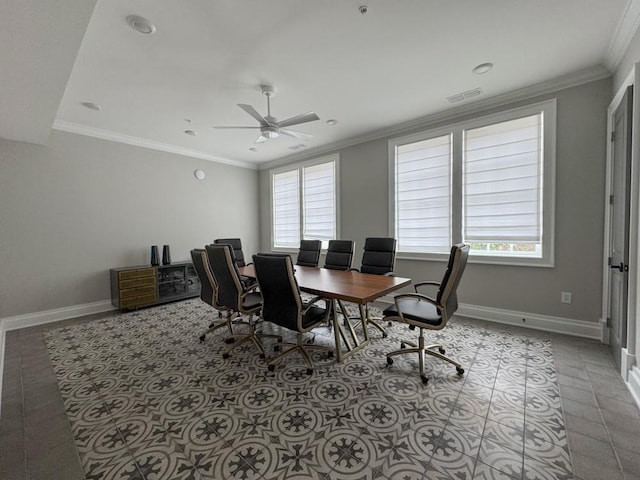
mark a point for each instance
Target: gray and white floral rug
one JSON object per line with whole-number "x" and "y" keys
{"x": 147, "y": 400}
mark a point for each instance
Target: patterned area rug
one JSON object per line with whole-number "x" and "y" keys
{"x": 146, "y": 400}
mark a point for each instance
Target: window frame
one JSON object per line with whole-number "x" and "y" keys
{"x": 299, "y": 167}
{"x": 549, "y": 111}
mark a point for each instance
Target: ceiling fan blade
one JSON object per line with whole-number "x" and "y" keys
{"x": 304, "y": 118}
{"x": 260, "y": 139}
{"x": 229, "y": 126}
{"x": 252, "y": 111}
{"x": 296, "y": 134}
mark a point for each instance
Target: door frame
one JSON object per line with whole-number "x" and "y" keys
{"x": 628, "y": 354}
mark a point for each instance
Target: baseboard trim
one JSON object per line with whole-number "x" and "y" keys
{"x": 534, "y": 321}
{"x": 627, "y": 361}
{"x": 634, "y": 384}
{"x": 55, "y": 315}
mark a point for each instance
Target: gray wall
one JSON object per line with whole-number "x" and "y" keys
{"x": 73, "y": 209}
{"x": 580, "y": 180}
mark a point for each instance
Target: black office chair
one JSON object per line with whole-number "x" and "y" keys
{"x": 233, "y": 295}
{"x": 282, "y": 305}
{"x": 309, "y": 253}
{"x": 339, "y": 254}
{"x": 236, "y": 244}
{"x": 378, "y": 258}
{"x": 425, "y": 312}
{"x": 209, "y": 291}
{"x": 238, "y": 257}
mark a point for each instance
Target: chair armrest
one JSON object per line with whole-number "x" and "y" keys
{"x": 427, "y": 283}
{"x": 251, "y": 289}
{"x": 389, "y": 274}
{"x": 307, "y": 305}
{"x": 417, "y": 296}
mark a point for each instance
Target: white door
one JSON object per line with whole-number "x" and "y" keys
{"x": 619, "y": 244}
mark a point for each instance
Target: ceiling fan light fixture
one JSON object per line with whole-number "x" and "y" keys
{"x": 270, "y": 132}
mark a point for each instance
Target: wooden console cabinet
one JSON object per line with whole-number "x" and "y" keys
{"x": 142, "y": 286}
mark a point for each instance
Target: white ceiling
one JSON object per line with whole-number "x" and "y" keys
{"x": 395, "y": 64}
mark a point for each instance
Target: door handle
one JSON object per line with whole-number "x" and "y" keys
{"x": 622, "y": 267}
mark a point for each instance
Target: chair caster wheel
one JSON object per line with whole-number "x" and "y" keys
{"x": 263, "y": 356}
{"x": 225, "y": 356}
{"x": 330, "y": 354}
{"x": 271, "y": 368}
{"x": 202, "y": 337}
{"x": 389, "y": 361}
{"x": 425, "y": 379}
{"x": 229, "y": 340}
{"x": 460, "y": 370}
{"x": 442, "y": 350}
{"x": 389, "y": 324}
{"x": 309, "y": 371}
{"x": 384, "y": 335}
{"x": 277, "y": 348}
{"x": 402, "y": 346}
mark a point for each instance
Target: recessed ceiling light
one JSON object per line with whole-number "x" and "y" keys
{"x": 141, "y": 24}
{"x": 91, "y": 106}
{"x": 193, "y": 133}
{"x": 332, "y": 122}
{"x": 482, "y": 68}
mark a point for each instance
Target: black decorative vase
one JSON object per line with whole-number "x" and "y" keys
{"x": 166, "y": 255}
{"x": 155, "y": 257}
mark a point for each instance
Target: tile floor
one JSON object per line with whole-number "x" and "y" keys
{"x": 474, "y": 418}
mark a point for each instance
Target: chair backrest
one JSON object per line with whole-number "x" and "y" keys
{"x": 309, "y": 253}
{"x": 281, "y": 303}
{"x": 226, "y": 275}
{"x": 447, "y": 294}
{"x": 339, "y": 254}
{"x": 208, "y": 288}
{"x": 236, "y": 244}
{"x": 379, "y": 256}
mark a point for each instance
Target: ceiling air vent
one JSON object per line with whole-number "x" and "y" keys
{"x": 459, "y": 97}
{"x": 297, "y": 147}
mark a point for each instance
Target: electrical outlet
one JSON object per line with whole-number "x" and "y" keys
{"x": 565, "y": 297}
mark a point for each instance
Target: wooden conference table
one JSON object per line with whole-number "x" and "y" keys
{"x": 339, "y": 286}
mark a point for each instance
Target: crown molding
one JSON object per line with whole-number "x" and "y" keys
{"x": 71, "y": 127}
{"x": 577, "y": 78}
{"x": 625, "y": 30}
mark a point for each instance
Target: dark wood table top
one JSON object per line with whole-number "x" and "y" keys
{"x": 353, "y": 287}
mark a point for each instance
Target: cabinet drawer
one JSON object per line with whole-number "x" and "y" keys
{"x": 137, "y": 282}
{"x": 138, "y": 301}
{"x": 141, "y": 272}
{"x": 138, "y": 292}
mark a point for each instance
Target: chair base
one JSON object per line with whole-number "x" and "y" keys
{"x": 422, "y": 351}
{"x": 213, "y": 326}
{"x": 300, "y": 347}
{"x": 253, "y": 336}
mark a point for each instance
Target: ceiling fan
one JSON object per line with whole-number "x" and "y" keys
{"x": 269, "y": 126}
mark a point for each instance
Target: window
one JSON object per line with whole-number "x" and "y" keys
{"x": 304, "y": 203}
{"x": 488, "y": 182}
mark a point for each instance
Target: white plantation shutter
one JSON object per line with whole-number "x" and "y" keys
{"x": 502, "y": 182}
{"x": 423, "y": 195}
{"x": 286, "y": 209}
{"x": 319, "y": 202}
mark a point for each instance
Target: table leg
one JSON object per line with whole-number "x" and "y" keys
{"x": 364, "y": 315}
